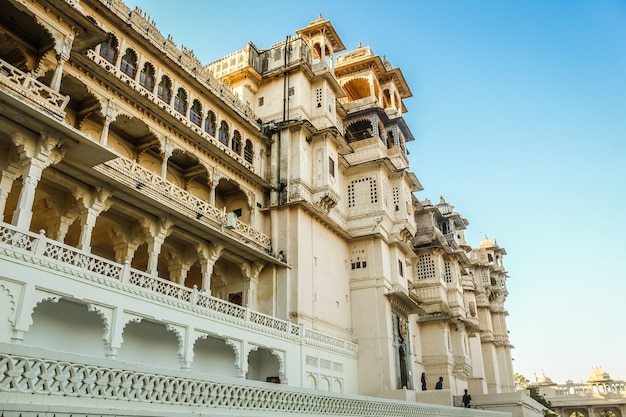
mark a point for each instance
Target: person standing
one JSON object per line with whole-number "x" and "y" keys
{"x": 467, "y": 399}
{"x": 423, "y": 381}
{"x": 439, "y": 384}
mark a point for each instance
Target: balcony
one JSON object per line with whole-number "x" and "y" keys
{"x": 24, "y": 85}
{"x": 107, "y": 280}
{"x": 150, "y": 184}
{"x": 184, "y": 120}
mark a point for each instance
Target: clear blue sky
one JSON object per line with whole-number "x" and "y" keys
{"x": 519, "y": 115}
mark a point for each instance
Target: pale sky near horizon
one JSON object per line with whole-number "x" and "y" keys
{"x": 519, "y": 118}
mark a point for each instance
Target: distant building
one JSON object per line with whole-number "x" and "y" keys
{"x": 600, "y": 396}
{"x": 237, "y": 238}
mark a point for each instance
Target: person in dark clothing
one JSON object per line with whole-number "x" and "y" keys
{"x": 439, "y": 383}
{"x": 423, "y": 381}
{"x": 466, "y": 399}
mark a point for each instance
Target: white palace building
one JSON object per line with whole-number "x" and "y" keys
{"x": 239, "y": 238}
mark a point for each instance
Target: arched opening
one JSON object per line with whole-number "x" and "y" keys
{"x": 180, "y": 101}
{"x": 24, "y": 49}
{"x": 7, "y": 308}
{"x": 150, "y": 343}
{"x": 227, "y": 281}
{"x": 357, "y": 88}
{"x": 116, "y": 236}
{"x": 228, "y": 195}
{"x": 147, "y": 77}
{"x": 609, "y": 412}
{"x": 67, "y": 326}
{"x": 108, "y": 49}
{"x": 84, "y": 110}
{"x": 164, "y": 92}
{"x": 263, "y": 366}
{"x": 359, "y": 130}
{"x": 386, "y": 99}
{"x": 248, "y": 152}
{"x": 129, "y": 63}
{"x": 236, "y": 145}
{"x": 132, "y": 138}
{"x": 195, "y": 114}
{"x": 212, "y": 355}
{"x": 223, "y": 132}
{"x": 210, "y": 123}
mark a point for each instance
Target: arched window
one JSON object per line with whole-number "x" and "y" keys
{"x": 129, "y": 63}
{"x": 195, "y": 114}
{"x": 236, "y": 145}
{"x": 108, "y": 49}
{"x": 248, "y": 151}
{"x": 209, "y": 123}
{"x": 146, "y": 76}
{"x": 222, "y": 135}
{"x": 180, "y": 101}
{"x": 164, "y": 92}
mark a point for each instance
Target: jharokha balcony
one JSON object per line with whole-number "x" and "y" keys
{"x": 26, "y": 86}
{"x": 131, "y": 174}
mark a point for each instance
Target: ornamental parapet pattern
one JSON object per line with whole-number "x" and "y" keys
{"x": 34, "y": 91}
{"x": 81, "y": 383}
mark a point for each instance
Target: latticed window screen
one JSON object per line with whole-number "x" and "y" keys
{"x": 359, "y": 189}
{"x": 425, "y": 267}
{"x": 448, "y": 271}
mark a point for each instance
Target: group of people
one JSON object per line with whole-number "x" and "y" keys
{"x": 467, "y": 398}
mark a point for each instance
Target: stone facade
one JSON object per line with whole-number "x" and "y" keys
{"x": 600, "y": 396}
{"x": 242, "y": 235}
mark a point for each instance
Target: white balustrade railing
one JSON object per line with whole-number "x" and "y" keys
{"x": 142, "y": 179}
{"x": 14, "y": 242}
{"x": 80, "y": 384}
{"x": 25, "y": 85}
{"x": 590, "y": 389}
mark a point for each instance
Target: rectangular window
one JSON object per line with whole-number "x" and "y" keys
{"x": 235, "y": 298}
{"x": 291, "y": 91}
{"x": 331, "y": 166}
{"x": 261, "y": 101}
{"x": 400, "y": 268}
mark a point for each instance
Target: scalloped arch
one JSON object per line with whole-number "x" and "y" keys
{"x": 11, "y": 303}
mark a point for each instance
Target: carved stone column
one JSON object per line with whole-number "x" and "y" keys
{"x": 9, "y": 172}
{"x": 167, "y": 153}
{"x": 156, "y": 232}
{"x": 208, "y": 254}
{"x": 93, "y": 204}
{"x": 36, "y": 154}
{"x": 250, "y": 271}
{"x": 63, "y": 49}
{"x": 125, "y": 243}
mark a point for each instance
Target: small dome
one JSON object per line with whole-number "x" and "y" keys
{"x": 543, "y": 380}
{"x": 598, "y": 375}
{"x": 486, "y": 243}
